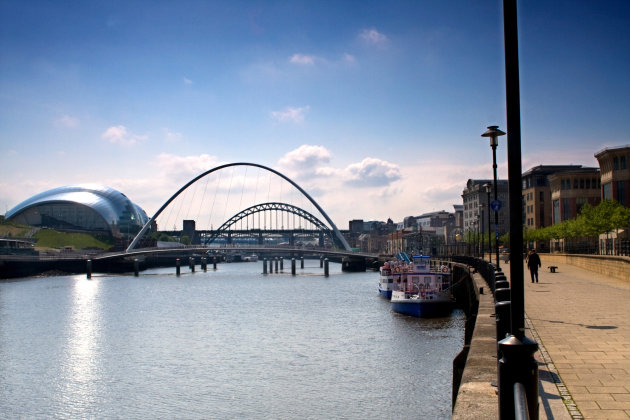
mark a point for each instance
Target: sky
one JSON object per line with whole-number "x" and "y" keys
{"x": 375, "y": 108}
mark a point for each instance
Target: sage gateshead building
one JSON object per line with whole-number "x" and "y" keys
{"x": 81, "y": 208}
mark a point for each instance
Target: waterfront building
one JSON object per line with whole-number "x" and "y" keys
{"x": 89, "y": 208}
{"x": 537, "y": 194}
{"x": 475, "y": 212}
{"x": 570, "y": 190}
{"x": 614, "y": 165}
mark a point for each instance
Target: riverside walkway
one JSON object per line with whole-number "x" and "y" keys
{"x": 581, "y": 321}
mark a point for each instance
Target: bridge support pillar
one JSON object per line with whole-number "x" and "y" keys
{"x": 260, "y": 239}
{"x": 353, "y": 264}
{"x": 293, "y": 266}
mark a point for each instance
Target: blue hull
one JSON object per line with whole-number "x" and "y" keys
{"x": 387, "y": 294}
{"x": 424, "y": 309}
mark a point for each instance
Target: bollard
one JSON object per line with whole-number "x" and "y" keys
{"x": 326, "y": 273}
{"x": 89, "y": 269}
{"x": 191, "y": 260}
{"x": 293, "y": 266}
{"x": 136, "y": 267}
{"x": 214, "y": 263}
{"x": 517, "y": 365}
{"x": 281, "y": 263}
{"x": 301, "y": 262}
{"x": 502, "y": 284}
{"x": 178, "y": 266}
{"x": 275, "y": 263}
{"x": 204, "y": 266}
{"x": 264, "y": 265}
{"x": 503, "y": 321}
{"x": 502, "y": 294}
{"x": 321, "y": 261}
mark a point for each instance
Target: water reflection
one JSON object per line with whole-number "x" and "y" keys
{"x": 81, "y": 364}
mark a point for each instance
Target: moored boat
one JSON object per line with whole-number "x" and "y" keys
{"x": 419, "y": 290}
{"x": 386, "y": 281}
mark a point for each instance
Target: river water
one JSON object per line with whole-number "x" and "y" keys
{"x": 226, "y": 344}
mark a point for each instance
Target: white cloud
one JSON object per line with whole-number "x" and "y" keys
{"x": 349, "y": 59}
{"x": 302, "y": 59}
{"x": 372, "y": 172}
{"x": 67, "y": 121}
{"x": 187, "y": 81}
{"x": 119, "y": 134}
{"x": 290, "y": 114}
{"x": 171, "y": 136}
{"x": 306, "y": 160}
{"x": 372, "y": 36}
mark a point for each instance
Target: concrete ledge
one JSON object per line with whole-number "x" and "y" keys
{"x": 477, "y": 397}
{"x": 608, "y": 265}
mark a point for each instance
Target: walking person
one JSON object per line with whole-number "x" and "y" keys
{"x": 533, "y": 262}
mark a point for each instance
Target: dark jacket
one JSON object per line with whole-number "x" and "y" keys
{"x": 533, "y": 260}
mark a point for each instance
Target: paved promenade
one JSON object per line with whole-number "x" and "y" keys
{"x": 582, "y": 321}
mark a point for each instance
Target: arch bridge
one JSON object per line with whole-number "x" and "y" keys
{"x": 270, "y": 221}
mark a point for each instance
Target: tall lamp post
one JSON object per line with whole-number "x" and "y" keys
{"x": 493, "y": 133}
{"x": 488, "y": 187}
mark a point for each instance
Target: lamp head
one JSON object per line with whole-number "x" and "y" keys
{"x": 493, "y": 133}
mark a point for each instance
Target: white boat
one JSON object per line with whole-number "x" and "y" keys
{"x": 386, "y": 281}
{"x": 419, "y": 290}
{"x": 251, "y": 258}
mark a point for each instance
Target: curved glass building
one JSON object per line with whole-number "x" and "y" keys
{"x": 83, "y": 207}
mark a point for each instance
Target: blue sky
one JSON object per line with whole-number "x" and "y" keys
{"x": 376, "y": 108}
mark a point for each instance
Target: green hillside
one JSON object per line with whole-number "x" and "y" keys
{"x": 47, "y": 238}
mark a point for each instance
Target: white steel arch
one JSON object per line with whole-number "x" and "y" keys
{"x": 336, "y": 231}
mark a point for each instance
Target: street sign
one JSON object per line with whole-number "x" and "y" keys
{"x": 496, "y": 205}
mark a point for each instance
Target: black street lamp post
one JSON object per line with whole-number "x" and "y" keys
{"x": 493, "y": 133}
{"x": 488, "y": 187}
{"x": 517, "y": 364}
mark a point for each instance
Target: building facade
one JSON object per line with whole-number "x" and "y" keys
{"x": 477, "y": 197}
{"x": 570, "y": 190}
{"x": 614, "y": 165}
{"x": 537, "y": 203}
{"x": 85, "y": 208}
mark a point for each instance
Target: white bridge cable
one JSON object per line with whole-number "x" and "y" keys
{"x": 203, "y": 198}
{"x": 214, "y": 199}
{"x": 227, "y": 200}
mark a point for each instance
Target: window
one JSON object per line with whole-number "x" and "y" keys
{"x": 581, "y": 183}
{"x": 542, "y": 196}
{"x": 575, "y": 184}
{"x": 556, "y": 211}
{"x": 588, "y": 183}
{"x": 621, "y": 192}
{"x": 607, "y": 191}
{"x": 615, "y": 163}
{"x": 622, "y": 162}
{"x": 565, "y": 209}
